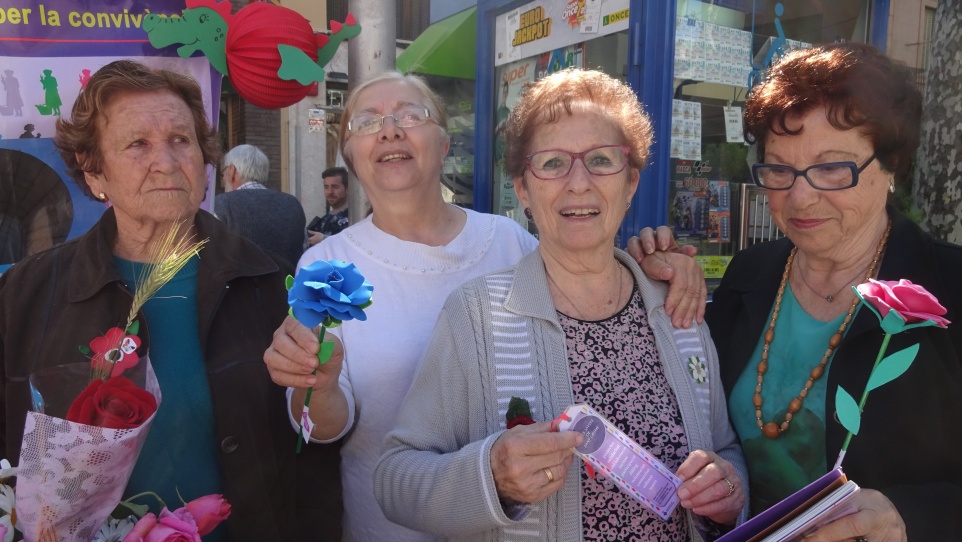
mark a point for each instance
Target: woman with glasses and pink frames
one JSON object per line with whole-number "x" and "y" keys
{"x": 575, "y": 321}
{"x": 835, "y": 128}
{"x": 415, "y": 249}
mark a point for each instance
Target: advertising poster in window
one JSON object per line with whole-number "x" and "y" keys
{"x": 50, "y": 50}
{"x": 546, "y": 25}
{"x": 700, "y": 207}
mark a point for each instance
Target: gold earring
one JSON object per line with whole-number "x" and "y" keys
{"x": 102, "y": 197}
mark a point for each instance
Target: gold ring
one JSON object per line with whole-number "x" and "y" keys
{"x": 731, "y": 486}
{"x": 547, "y": 472}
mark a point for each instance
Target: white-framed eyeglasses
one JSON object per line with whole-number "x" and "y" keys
{"x": 556, "y": 163}
{"x": 405, "y": 117}
{"x": 830, "y": 176}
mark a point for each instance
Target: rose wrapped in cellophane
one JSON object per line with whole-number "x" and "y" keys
{"x": 90, "y": 420}
{"x": 326, "y": 293}
{"x": 76, "y": 457}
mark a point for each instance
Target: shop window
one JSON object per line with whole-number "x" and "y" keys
{"x": 722, "y": 48}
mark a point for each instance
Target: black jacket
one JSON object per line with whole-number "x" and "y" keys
{"x": 910, "y": 440}
{"x": 63, "y": 297}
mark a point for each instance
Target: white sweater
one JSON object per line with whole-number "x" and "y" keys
{"x": 411, "y": 282}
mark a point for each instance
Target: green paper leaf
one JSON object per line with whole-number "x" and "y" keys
{"x": 368, "y": 304}
{"x": 297, "y": 66}
{"x": 85, "y": 350}
{"x": 324, "y": 354}
{"x": 847, "y": 410}
{"x": 134, "y": 328}
{"x": 289, "y": 282}
{"x": 892, "y": 367}
{"x": 893, "y": 323}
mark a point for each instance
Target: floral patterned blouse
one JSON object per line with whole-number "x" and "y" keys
{"x": 615, "y": 369}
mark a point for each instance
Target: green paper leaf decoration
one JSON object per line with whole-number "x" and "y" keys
{"x": 134, "y": 328}
{"x": 289, "y": 282}
{"x": 324, "y": 354}
{"x": 847, "y": 410}
{"x": 892, "y": 367}
{"x": 297, "y": 66}
{"x": 893, "y": 323}
{"x": 85, "y": 350}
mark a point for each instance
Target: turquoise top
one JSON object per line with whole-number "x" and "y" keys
{"x": 778, "y": 467}
{"x": 180, "y": 454}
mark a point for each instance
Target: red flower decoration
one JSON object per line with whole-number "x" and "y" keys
{"x": 115, "y": 348}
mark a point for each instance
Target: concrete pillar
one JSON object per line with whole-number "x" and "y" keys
{"x": 307, "y": 151}
{"x": 370, "y": 54}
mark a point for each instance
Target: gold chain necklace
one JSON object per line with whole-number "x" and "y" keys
{"x": 581, "y": 315}
{"x": 831, "y": 297}
{"x": 772, "y": 429}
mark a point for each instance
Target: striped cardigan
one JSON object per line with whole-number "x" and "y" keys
{"x": 498, "y": 336}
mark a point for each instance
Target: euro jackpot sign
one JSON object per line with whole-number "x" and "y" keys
{"x": 533, "y": 26}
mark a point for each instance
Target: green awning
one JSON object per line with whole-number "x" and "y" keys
{"x": 445, "y": 48}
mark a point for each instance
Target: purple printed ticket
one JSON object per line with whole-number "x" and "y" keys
{"x": 612, "y": 454}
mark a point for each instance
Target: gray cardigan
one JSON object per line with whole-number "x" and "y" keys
{"x": 498, "y": 336}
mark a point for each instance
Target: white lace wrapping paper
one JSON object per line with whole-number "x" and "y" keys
{"x": 72, "y": 475}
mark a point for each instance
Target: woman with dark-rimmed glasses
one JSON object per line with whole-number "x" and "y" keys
{"x": 835, "y": 128}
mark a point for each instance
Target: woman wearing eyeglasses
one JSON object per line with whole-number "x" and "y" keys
{"x": 574, "y": 322}
{"x": 835, "y": 127}
{"x": 415, "y": 249}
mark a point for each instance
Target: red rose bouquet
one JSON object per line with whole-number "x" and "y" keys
{"x": 90, "y": 420}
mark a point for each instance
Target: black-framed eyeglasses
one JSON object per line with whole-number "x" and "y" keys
{"x": 829, "y": 176}
{"x": 556, "y": 163}
{"x": 405, "y": 117}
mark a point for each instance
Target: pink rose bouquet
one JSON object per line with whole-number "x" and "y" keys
{"x": 899, "y": 306}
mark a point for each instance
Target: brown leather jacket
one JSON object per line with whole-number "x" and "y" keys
{"x": 63, "y": 297}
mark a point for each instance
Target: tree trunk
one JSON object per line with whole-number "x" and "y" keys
{"x": 938, "y": 175}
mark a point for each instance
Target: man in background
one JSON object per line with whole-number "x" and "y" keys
{"x": 335, "y": 192}
{"x": 272, "y": 220}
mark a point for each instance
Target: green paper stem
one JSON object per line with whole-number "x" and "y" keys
{"x": 861, "y": 403}
{"x": 301, "y": 437}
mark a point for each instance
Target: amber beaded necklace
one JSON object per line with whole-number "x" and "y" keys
{"x": 772, "y": 429}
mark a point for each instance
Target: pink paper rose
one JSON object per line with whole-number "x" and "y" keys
{"x": 913, "y": 303}
{"x": 176, "y": 526}
{"x": 208, "y": 512}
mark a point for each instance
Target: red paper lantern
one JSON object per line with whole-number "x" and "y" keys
{"x": 253, "y": 59}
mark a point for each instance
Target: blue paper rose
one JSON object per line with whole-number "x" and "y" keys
{"x": 327, "y": 293}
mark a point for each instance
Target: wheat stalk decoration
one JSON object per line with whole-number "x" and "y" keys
{"x": 167, "y": 257}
